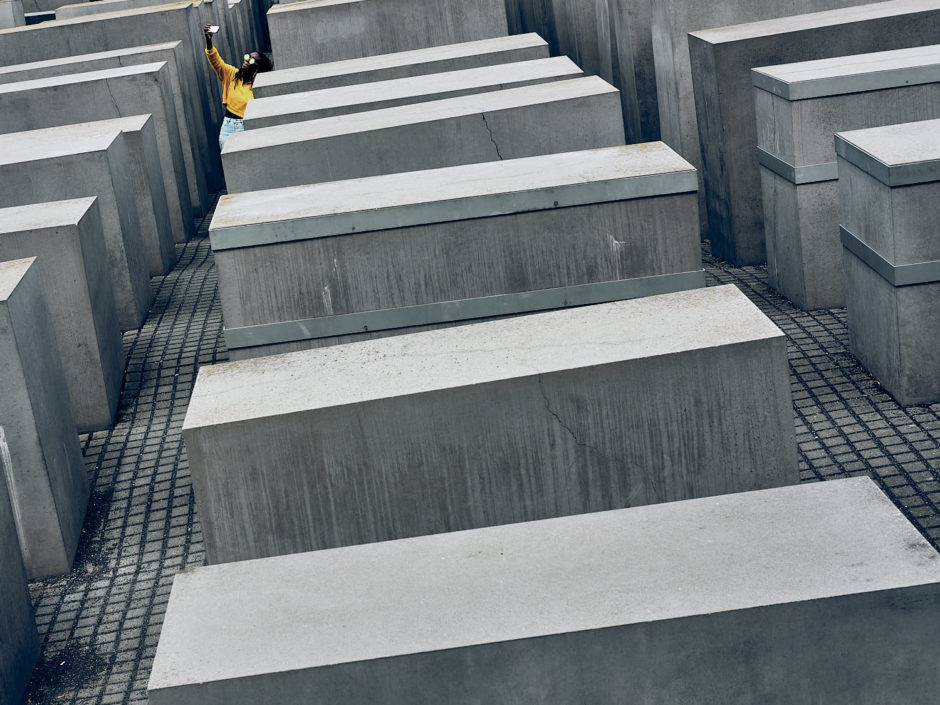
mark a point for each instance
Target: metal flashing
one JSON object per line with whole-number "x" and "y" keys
{"x": 896, "y": 275}
{"x": 809, "y": 174}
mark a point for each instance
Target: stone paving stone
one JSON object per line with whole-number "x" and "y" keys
{"x": 100, "y": 624}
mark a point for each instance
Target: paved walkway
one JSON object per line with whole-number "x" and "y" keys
{"x": 100, "y": 624}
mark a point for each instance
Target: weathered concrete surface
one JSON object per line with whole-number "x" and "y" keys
{"x": 316, "y": 31}
{"x": 197, "y": 157}
{"x": 799, "y": 108}
{"x": 312, "y": 105}
{"x": 827, "y": 585}
{"x": 19, "y": 650}
{"x": 385, "y": 67}
{"x": 889, "y": 187}
{"x": 66, "y": 237}
{"x": 110, "y": 93}
{"x": 42, "y": 463}
{"x": 556, "y": 413}
{"x": 11, "y": 14}
{"x": 73, "y": 161}
{"x": 97, "y": 6}
{"x": 564, "y": 116}
{"x": 721, "y": 63}
{"x": 524, "y": 234}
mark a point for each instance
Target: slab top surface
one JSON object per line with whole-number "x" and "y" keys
{"x": 83, "y": 77}
{"x": 427, "y": 84}
{"x": 287, "y": 7}
{"x": 51, "y": 142}
{"x": 857, "y": 64}
{"x": 400, "y": 58}
{"x": 484, "y": 352}
{"x": 82, "y": 58}
{"x": 535, "y": 579}
{"x": 141, "y": 12}
{"x": 37, "y": 216}
{"x": 447, "y": 108}
{"x": 813, "y": 20}
{"x": 11, "y": 274}
{"x": 896, "y": 145}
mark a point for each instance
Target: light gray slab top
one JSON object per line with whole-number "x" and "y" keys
{"x": 83, "y": 77}
{"x": 17, "y": 219}
{"x": 813, "y": 20}
{"x": 447, "y": 108}
{"x": 536, "y": 579}
{"x": 401, "y": 58}
{"x": 142, "y": 12}
{"x": 311, "y": 4}
{"x": 51, "y": 142}
{"x": 896, "y": 155}
{"x": 11, "y": 274}
{"x": 81, "y": 58}
{"x": 850, "y": 74}
{"x": 468, "y": 355}
{"x": 450, "y": 193}
{"x": 413, "y": 86}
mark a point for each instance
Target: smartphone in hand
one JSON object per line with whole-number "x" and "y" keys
{"x": 213, "y": 28}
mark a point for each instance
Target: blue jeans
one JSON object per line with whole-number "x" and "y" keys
{"x": 229, "y": 125}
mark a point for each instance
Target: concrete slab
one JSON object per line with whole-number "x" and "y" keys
{"x": 822, "y": 585}
{"x": 385, "y": 67}
{"x": 97, "y": 6}
{"x": 67, "y": 239}
{"x": 721, "y": 63}
{"x": 799, "y": 108}
{"x": 316, "y": 31}
{"x": 110, "y": 93}
{"x": 73, "y": 161}
{"x": 889, "y": 186}
{"x": 563, "y": 116}
{"x": 312, "y": 105}
{"x": 518, "y": 419}
{"x": 526, "y": 234}
{"x": 11, "y": 14}
{"x": 42, "y": 462}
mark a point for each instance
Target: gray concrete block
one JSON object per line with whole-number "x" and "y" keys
{"x": 42, "y": 462}
{"x": 799, "y": 108}
{"x": 67, "y": 239}
{"x": 556, "y": 413}
{"x": 722, "y": 60}
{"x": 816, "y": 591}
{"x": 564, "y": 116}
{"x": 73, "y": 161}
{"x": 889, "y": 185}
{"x": 19, "y": 650}
{"x": 316, "y": 31}
{"x": 97, "y": 6}
{"x": 197, "y": 157}
{"x": 110, "y": 93}
{"x": 525, "y": 234}
{"x": 385, "y": 67}
{"x": 312, "y": 105}
{"x": 11, "y": 14}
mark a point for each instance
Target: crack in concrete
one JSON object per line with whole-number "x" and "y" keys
{"x": 490, "y": 132}
{"x": 548, "y": 407}
{"x": 107, "y": 85}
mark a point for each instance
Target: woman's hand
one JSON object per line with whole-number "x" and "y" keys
{"x": 205, "y": 31}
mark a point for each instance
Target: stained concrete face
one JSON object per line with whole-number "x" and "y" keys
{"x": 889, "y": 183}
{"x": 721, "y": 63}
{"x": 73, "y": 161}
{"x": 67, "y": 239}
{"x": 526, "y": 234}
{"x": 819, "y": 585}
{"x": 563, "y": 116}
{"x": 799, "y": 108}
{"x": 42, "y": 462}
{"x": 317, "y": 31}
{"x": 511, "y": 420}
{"x": 386, "y": 67}
{"x": 312, "y": 105}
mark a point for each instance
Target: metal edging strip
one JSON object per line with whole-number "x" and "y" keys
{"x": 896, "y": 275}
{"x": 891, "y": 175}
{"x": 810, "y": 174}
{"x": 462, "y": 310}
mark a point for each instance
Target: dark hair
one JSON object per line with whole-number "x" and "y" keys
{"x": 263, "y": 63}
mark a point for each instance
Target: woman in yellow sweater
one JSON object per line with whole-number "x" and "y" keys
{"x": 236, "y": 85}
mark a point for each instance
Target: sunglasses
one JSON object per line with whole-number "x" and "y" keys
{"x": 249, "y": 58}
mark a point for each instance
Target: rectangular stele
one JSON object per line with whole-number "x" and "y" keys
{"x": 722, "y": 60}
{"x": 579, "y": 410}
{"x": 547, "y": 118}
{"x": 315, "y": 265}
{"x": 317, "y": 31}
{"x": 66, "y": 238}
{"x": 824, "y": 592}
{"x": 312, "y": 105}
{"x": 403, "y": 64}
{"x": 799, "y": 108}
{"x": 889, "y": 186}
{"x": 39, "y": 452}
{"x": 74, "y": 161}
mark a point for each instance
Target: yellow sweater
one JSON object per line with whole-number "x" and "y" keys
{"x": 235, "y": 94}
